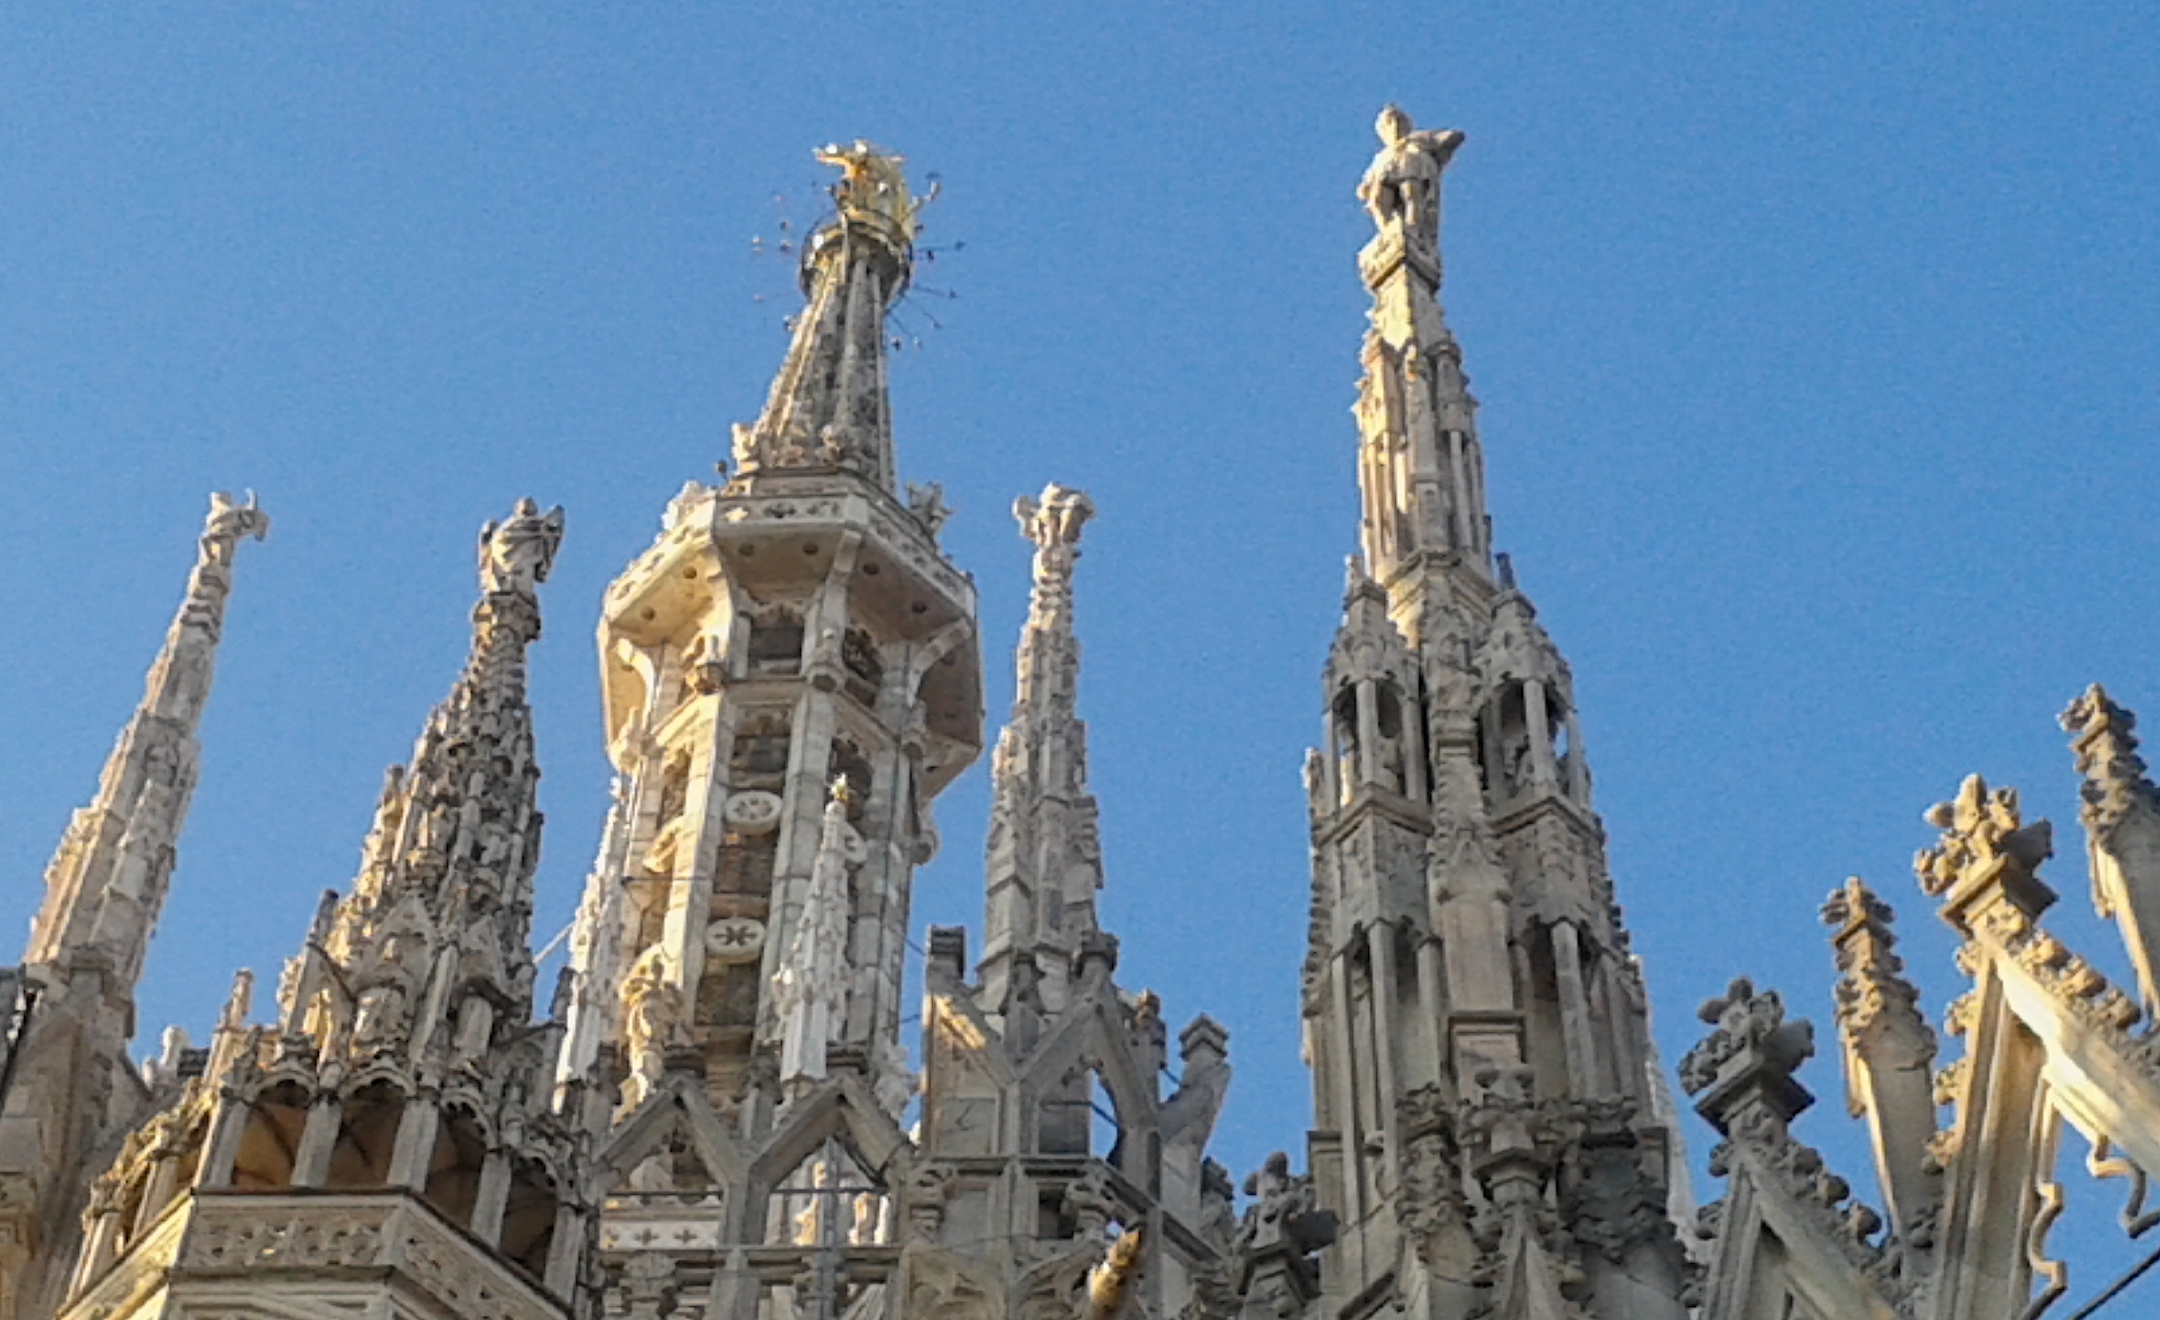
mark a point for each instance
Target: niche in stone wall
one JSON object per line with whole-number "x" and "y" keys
{"x": 367, "y": 1133}
{"x": 1344, "y": 722}
{"x": 849, "y": 763}
{"x": 1563, "y": 747}
{"x": 1508, "y": 738}
{"x": 759, "y": 758}
{"x": 674, "y": 786}
{"x": 746, "y": 864}
{"x": 453, "y": 1179}
{"x": 728, "y": 995}
{"x": 776, "y": 640}
{"x": 668, "y": 824}
{"x": 1394, "y": 748}
{"x": 1064, "y": 1117}
{"x": 528, "y": 1223}
{"x": 865, "y": 670}
{"x": 271, "y": 1139}
{"x": 1544, "y": 1038}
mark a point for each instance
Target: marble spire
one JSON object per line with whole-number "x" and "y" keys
{"x": 1420, "y": 463}
{"x": 430, "y": 949}
{"x": 1044, "y": 854}
{"x": 107, "y": 881}
{"x": 830, "y": 408}
{"x": 71, "y": 1088}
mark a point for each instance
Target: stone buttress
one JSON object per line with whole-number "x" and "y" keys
{"x": 1967, "y": 1155}
{"x": 1490, "y": 1129}
{"x": 388, "y": 1145}
{"x": 67, "y": 1091}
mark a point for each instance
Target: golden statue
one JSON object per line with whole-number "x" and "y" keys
{"x": 872, "y": 186}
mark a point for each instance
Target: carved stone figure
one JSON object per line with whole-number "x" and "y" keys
{"x": 1109, "y": 1282}
{"x": 809, "y": 990}
{"x": 516, "y": 553}
{"x": 927, "y": 503}
{"x": 872, "y": 184}
{"x": 654, "y": 1015}
{"x": 1402, "y": 188}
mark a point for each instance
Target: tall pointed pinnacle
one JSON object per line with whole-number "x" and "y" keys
{"x": 2122, "y": 828}
{"x": 405, "y": 1083}
{"x": 107, "y": 881}
{"x": 1889, "y": 1052}
{"x": 829, "y": 407}
{"x": 1045, "y": 852}
{"x": 429, "y": 952}
{"x": 1420, "y": 465}
{"x": 810, "y": 988}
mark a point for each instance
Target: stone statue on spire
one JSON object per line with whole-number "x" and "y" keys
{"x": 1402, "y": 187}
{"x": 872, "y": 186}
{"x": 1053, "y": 523}
{"x": 516, "y": 554}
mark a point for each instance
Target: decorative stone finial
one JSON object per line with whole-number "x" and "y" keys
{"x": 1053, "y": 523}
{"x": 2104, "y": 740}
{"x": 1871, "y": 979}
{"x": 1985, "y": 847}
{"x": 1751, "y": 1052}
{"x": 229, "y": 522}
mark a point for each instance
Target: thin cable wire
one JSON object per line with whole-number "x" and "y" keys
{"x": 2115, "y": 1289}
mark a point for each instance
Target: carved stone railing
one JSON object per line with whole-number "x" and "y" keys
{"x": 273, "y": 1242}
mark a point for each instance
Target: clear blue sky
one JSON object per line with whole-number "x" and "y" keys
{"x": 1816, "y": 345}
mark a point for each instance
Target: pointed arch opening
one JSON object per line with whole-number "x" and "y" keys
{"x": 830, "y": 1200}
{"x": 367, "y": 1134}
{"x": 1343, "y": 740}
{"x": 453, "y": 1177}
{"x": 528, "y": 1224}
{"x": 270, "y": 1139}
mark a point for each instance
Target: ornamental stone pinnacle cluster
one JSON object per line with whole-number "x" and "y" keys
{"x": 715, "y": 1115}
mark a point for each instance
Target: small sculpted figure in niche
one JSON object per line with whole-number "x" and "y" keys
{"x": 1402, "y": 188}
{"x": 381, "y": 1016}
{"x": 1392, "y": 775}
{"x": 653, "y": 1013}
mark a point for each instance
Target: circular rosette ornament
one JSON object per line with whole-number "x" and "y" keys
{"x": 752, "y": 811}
{"x": 735, "y": 939}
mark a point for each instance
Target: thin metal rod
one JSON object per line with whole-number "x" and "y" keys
{"x": 2114, "y": 1289}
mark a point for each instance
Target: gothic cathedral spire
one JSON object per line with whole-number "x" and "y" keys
{"x": 403, "y": 1093}
{"x": 830, "y": 408}
{"x": 107, "y": 881}
{"x": 791, "y": 676}
{"x": 1045, "y": 850}
{"x": 72, "y": 1087}
{"x": 1468, "y": 982}
{"x": 1419, "y": 464}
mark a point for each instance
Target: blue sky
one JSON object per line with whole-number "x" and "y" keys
{"x": 1815, "y": 345}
